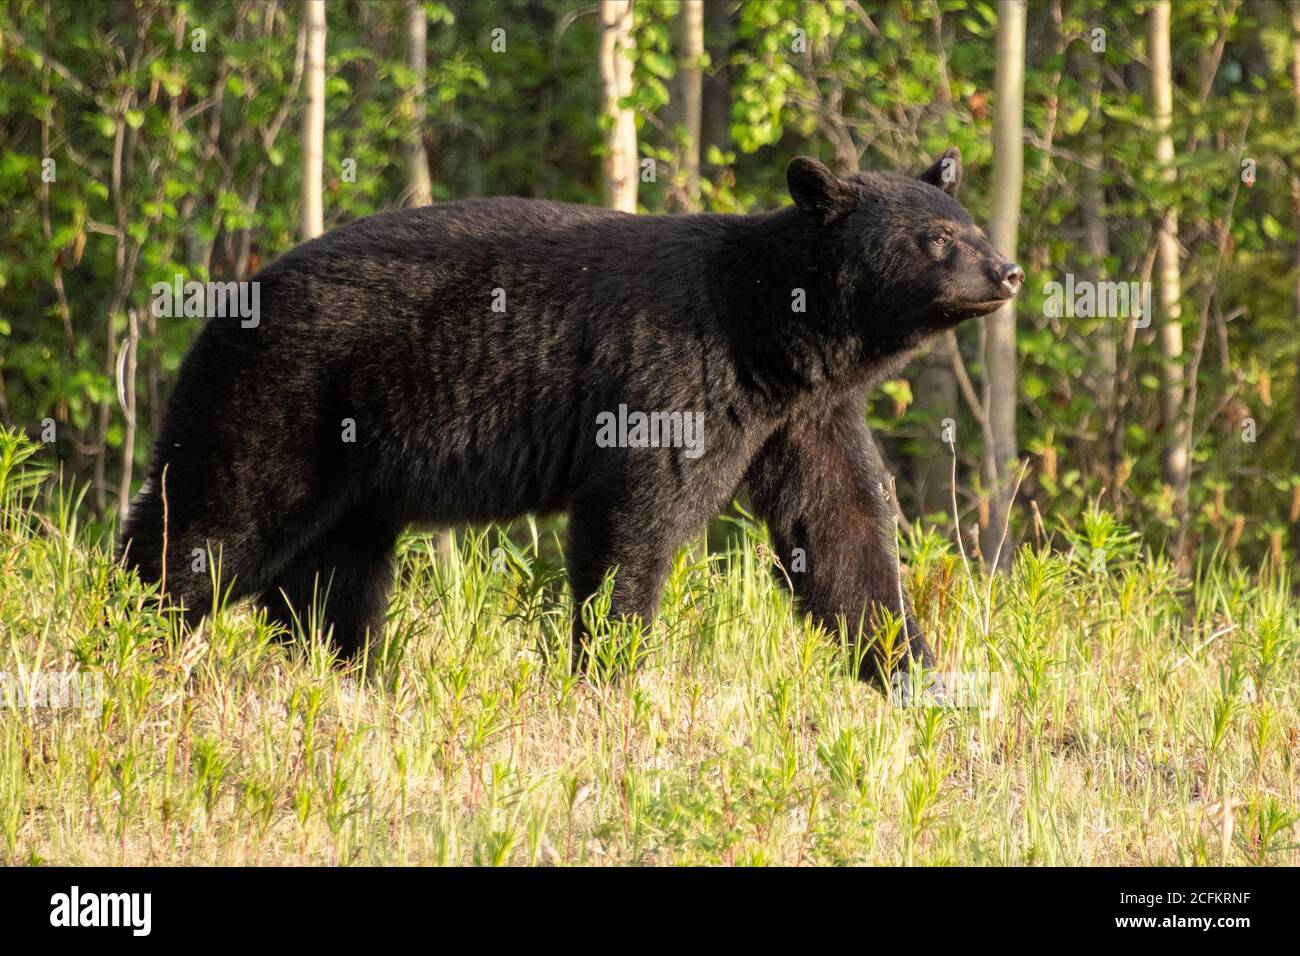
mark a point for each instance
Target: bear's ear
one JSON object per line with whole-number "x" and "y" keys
{"x": 946, "y": 171}
{"x": 817, "y": 190}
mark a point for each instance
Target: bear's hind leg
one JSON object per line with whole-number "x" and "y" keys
{"x": 344, "y": 576}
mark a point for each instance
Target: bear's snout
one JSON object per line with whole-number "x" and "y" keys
{"x": 1011, "y": 277}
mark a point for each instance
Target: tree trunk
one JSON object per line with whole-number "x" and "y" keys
{"x": 1096, "y": 243}
{"x": 715, "y": 107}
{"x": 1295, "y": 208}
{"x": 936, "y": 398}
{"x": 313, "y": 121}
{"x": 616, "y": 83}
{"x": 1169, "y": 306}
{"x": 99, "y": 482}
{"x": 1105, "y": 356}
{"x": 688, "y": 42}
{"x": 1000, "y": 342}
{"x": 419, "y": 188}
{"x": 126, "y": 381}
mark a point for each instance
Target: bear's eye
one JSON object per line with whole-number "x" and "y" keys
{"x": 939, "y": 240}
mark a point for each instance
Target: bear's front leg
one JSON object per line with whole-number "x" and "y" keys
{"x": 627, "y": 541}
{"x": 821, "y": 486}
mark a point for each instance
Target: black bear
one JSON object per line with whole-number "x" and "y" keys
{"x": 471, "y": 361}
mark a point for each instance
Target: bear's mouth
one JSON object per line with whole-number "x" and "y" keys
{"x": 988, "y": 305}
{"x": 980, "y": 307}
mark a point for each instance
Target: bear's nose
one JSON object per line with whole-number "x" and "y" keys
{"x": 1012, "y": 277}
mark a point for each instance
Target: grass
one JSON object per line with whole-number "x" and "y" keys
{"x": 1141, "y": 720}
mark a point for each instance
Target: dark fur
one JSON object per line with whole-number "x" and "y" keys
{"x": 465, "y": 415}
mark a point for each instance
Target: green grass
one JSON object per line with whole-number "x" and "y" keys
{"x": 1141, "y": 720}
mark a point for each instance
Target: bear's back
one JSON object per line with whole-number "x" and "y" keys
{"x": 440, "y": 229}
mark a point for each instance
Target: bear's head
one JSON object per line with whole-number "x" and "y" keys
{"x": 905, "y": 250}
